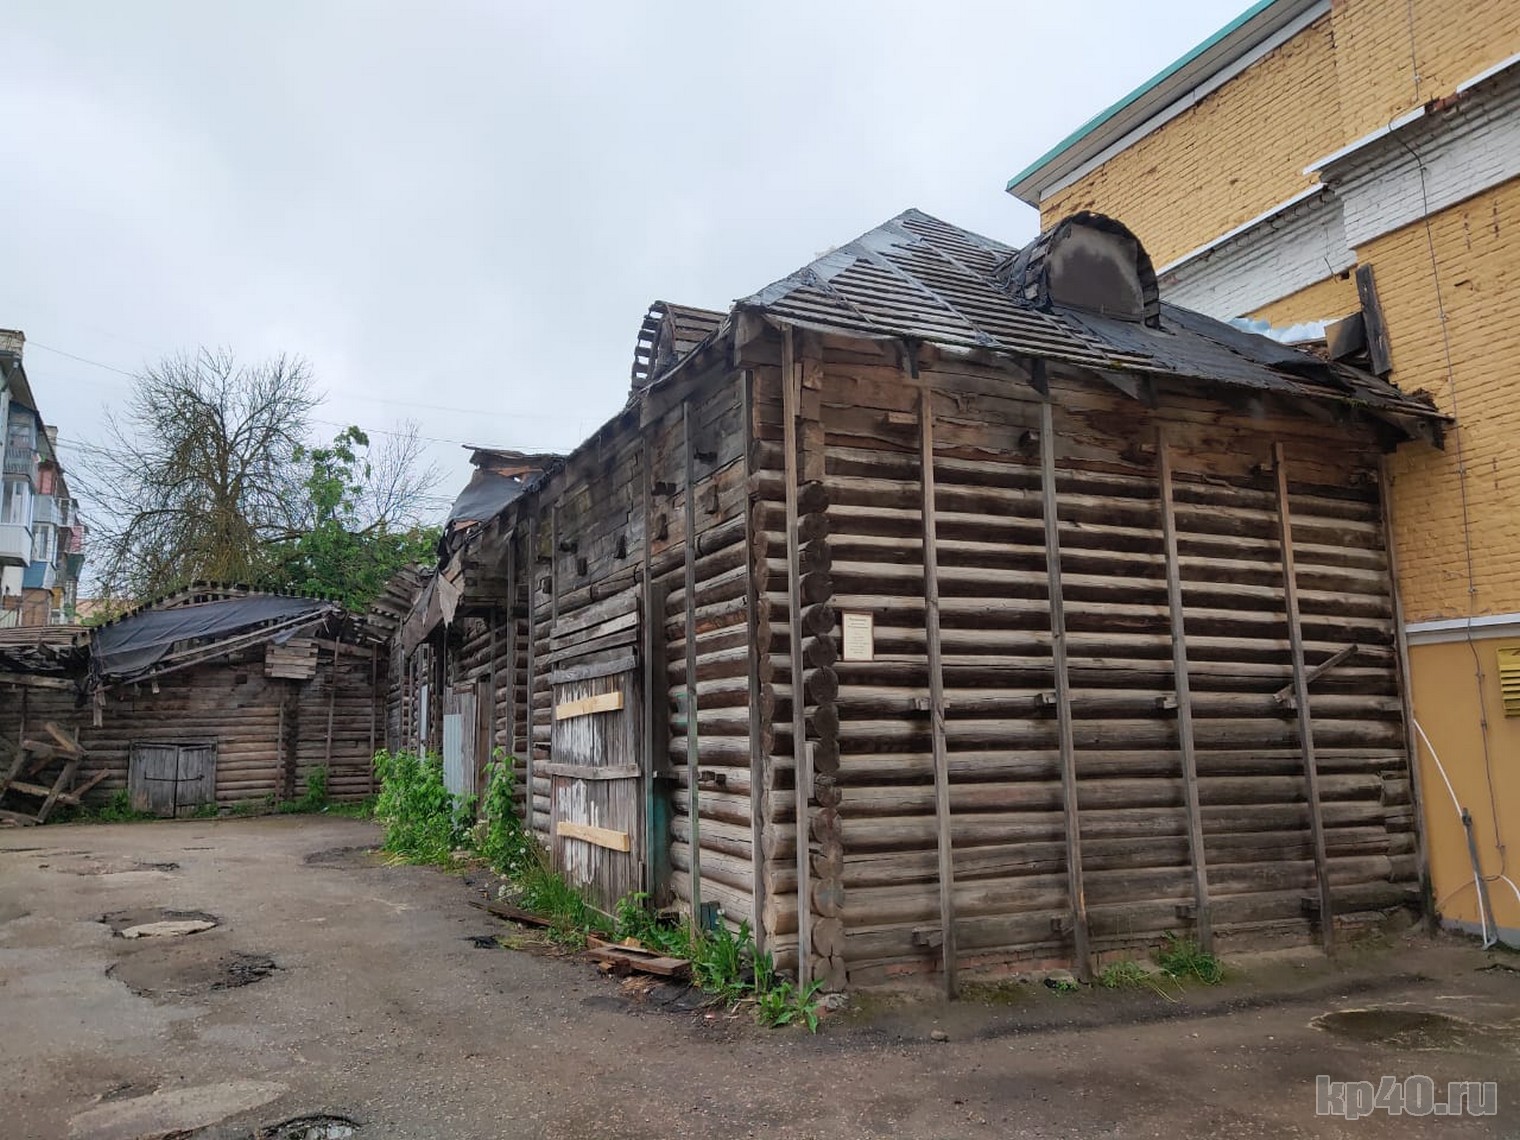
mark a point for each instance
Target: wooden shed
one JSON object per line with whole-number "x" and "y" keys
{"x": 217, "y": 695}
{"x": 1080, "y": 605}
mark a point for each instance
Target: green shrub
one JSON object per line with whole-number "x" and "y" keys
{"x": 1181, "y": 958}
{"x": 504, "y": 841}
{"x": 423, "y": 821}
{"x": 1123, "y": 975}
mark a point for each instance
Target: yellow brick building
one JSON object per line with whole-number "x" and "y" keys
{"x": 1323, "y": 159}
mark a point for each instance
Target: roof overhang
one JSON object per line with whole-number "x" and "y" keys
{"x": 1186, "y": 82}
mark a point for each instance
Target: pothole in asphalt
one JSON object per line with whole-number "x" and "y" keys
{"x": 178, "y": 973}
{"x": 319, "y": 1127}
{"x": 90, "y": 866}
{"x": 352, "y": 858}
{"x": 1408, "y": 1029}
{"x": 156, "y": 922}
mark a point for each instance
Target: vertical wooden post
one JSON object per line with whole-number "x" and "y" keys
{"x": 511, "y": 650}
{"x": 374, "y": 712}
{"x": 332, "y": 701}
{"x": 791, "y": 400}
{"x": 752, "y": 618}
{"x": 693, "y": 735}
{"x": 1066, "y": 737}
{"x": 942, "y": 818}
{"x": 1301, "y": 698}
{"x": 1406, "y": 697}
{"x": 530, "y": 564}
{"x": 1203, "y": 917}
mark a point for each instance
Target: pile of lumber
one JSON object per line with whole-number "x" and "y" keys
{"x": 26, "y": 776}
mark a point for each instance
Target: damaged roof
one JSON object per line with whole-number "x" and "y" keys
{"x": 919, "y": 278}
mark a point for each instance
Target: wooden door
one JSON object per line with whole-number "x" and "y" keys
{"x": 171, "y": 779}
{"x": 151, "y": 778}
{"x": 195, "y": 782}
{"x": 461, "y": 741}
{"x": 595, "y": 786}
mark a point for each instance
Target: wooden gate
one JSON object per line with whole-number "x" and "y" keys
{"x": 171, "y": 779}
{"x": 595, "y": 745}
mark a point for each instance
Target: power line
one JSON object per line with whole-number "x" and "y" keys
{"x": 345, "y": 394}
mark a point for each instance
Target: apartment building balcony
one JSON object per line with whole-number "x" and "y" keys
{"x": 15, "y": 544}
{"x": 40, "y": 576}
{"x": 22, "y": 462}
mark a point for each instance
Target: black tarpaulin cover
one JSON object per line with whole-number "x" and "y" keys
{"x": 484, "y": 496}
{"x": 133, "y": 645}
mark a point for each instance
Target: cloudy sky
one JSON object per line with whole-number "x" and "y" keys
{"x": 459, "y": 211}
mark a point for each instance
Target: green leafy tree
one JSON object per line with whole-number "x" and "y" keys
{"x": 208, "y": 473}
{"x": 361, "y": 527}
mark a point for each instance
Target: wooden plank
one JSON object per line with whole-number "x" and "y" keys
{"x": 656, "y": 719}
{"x": 791, "y": 399}
{"x": 586, "y": 706}
{"x": 43, "y": 791}
{"x": 1372, "y": 321}
{"x": 1411, "y": 746}
{"x": 530, "y": 567}
{"x": 28, "y": 679}
{"x": 81, "y": 789}
{"x": 629, "y": 960}
{"x": 752, "y": 676}
{"x": 1284, "y": 695}
{"x": 18, "y": 818}
{"x": 1065, "y": 734}
{"x": 1301, "y": 694}
{"x": 693, "y": 734}
{"x": 66, "y": 742}
{"x": 511, "y": 913}
{"x": 19, "y": 757}
{"x": 65, "y": 778}
{"x": 946, "y": 864}
{"x": 593, "y": 771}
{"x": 1203, "y": 917}
{"x": 624, "y": 664}
{"x": 597, "y": 836}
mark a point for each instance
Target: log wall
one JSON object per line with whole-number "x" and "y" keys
{"x": 269, "y": 732}
{"x": 873, "y": 826}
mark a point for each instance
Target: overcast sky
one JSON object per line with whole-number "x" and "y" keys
{"x": 458, "y": 212}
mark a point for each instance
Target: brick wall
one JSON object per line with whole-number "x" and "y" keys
{"x": 1238, "y": 153}
{"x": 1242, "y": 150}
{"x": 1477, "y": 248}
{"x": 1332, "y": 297}
{"x": 1392, "y": 55}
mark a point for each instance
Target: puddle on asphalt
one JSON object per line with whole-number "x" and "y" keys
{"x": 177, "y": 972}
{"x": 1417, "y": 1030}
{"x": 320, "y": 1127}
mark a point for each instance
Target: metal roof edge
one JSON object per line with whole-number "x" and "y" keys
{"x": 1234, "y": 41}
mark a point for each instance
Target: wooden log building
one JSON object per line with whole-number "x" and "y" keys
{"x": 1079, "y": 604}
{"x": 215, "y": 695}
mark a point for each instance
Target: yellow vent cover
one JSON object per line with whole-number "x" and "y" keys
{"x": 1509, "y": 680}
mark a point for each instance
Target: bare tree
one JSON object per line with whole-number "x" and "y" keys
{"x": 198, "y": 476}
{"x": 400, "y": 490}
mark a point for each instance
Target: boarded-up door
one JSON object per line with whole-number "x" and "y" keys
{"x": 465, "y": 740}
{"x": 595, "y": 786}
{"x": 171, "y": 779}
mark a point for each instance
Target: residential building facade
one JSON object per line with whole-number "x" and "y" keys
{"x": 41, "y": 532}
{"x": 1349, "y": 170}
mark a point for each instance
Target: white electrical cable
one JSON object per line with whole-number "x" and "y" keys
{"x": 1484, "y": 918}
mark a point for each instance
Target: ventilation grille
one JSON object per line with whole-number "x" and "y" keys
{"x": 1509, "y": 680}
